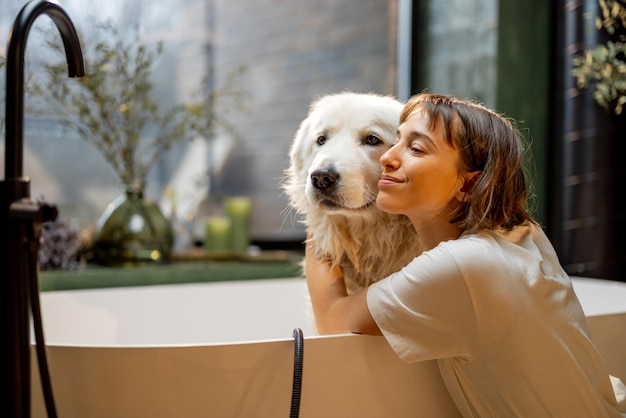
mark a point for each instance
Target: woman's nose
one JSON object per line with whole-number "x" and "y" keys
{"x": 389, "y": 159}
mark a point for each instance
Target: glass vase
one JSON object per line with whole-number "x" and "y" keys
{"x": 132, "y": 230}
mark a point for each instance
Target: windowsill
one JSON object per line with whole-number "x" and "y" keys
{"x": 182, "y": 268}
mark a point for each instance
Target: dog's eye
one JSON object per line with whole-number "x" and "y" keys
{"x": 372, "y": 140}
{"x": 321, "y": 140}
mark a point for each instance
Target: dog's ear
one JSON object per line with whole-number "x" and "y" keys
{"x": 298, "y": 146}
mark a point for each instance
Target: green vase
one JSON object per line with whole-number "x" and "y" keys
{"x": 132, "y": 230}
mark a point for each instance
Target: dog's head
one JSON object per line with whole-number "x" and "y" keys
{"x": 335, "y": 154}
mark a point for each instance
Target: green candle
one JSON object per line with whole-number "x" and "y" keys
{"x": 218, "y": 231}
{"x": 238, "y": 211}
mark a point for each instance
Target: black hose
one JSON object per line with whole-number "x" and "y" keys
{"x": 42, "y": 359}
{"x": 298, "y": 361}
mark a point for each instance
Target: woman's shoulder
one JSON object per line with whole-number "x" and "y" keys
{"x": 493, "y": 248}
{"x": 520, "y": 235}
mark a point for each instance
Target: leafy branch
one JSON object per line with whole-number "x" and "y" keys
{"x": 604, "y": 64}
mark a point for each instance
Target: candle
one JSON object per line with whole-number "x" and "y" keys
{"x": 218, "y": 231}
{"x": 238, "y": 211}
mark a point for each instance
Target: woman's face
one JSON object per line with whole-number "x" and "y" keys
{"x": 420, "y": 177}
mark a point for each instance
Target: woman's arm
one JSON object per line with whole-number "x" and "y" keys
{"x": 336, "y": 312}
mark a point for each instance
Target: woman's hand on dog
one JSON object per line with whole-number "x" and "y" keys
{"x": 335, "y": 311}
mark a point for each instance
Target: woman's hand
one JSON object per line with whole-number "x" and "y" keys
{"x": 335, "y": 312}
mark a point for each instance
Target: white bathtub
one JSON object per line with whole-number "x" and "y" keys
{"x": 226, "y": 350}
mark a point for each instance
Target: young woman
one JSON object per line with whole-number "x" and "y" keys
{"x": 487, "y": 298}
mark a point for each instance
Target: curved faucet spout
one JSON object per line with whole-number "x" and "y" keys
{"x": 15, "y": 73}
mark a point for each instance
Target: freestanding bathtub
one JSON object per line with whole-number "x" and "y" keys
{"x": 225, "y": 349}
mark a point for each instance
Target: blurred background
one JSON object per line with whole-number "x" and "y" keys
{"x": 271, "y": 58}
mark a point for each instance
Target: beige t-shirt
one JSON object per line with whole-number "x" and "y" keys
{"x": 500, "y": 315}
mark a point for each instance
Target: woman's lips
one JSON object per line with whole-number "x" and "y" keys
{"x": 386, "y": 180}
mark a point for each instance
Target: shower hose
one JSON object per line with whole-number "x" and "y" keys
{"x": 298, "y": 360}
{"x": 33, "y": 284}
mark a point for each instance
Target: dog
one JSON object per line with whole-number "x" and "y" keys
{"x": 332, "y": 183}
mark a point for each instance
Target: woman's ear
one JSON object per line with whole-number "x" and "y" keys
{"x": 465, "y": 192}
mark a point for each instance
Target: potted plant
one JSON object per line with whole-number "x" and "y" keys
{"x": 113, "y": 108}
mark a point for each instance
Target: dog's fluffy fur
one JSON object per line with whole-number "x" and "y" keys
{"x": 332, "y": 182}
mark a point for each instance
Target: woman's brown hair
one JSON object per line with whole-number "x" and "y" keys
{"x": 488, "y": 143}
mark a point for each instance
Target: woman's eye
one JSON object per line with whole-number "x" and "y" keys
{"x": 372, "y": 140}
{"x": 321, "y": 140}
{"x": 415, "y": 150}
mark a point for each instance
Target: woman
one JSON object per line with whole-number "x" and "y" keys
{"x": 487, "y": 298}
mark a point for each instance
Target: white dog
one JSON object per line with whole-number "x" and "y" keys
{"x": 333, "y": 182}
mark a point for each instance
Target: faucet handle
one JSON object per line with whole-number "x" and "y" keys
{"x": 27, "y": 210}
{"x": 33, "y": 215}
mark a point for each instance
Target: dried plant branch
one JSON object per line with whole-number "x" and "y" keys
{"x": 113, "y": 106}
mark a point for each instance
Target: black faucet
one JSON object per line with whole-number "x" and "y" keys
{"x": 19, "y": 216}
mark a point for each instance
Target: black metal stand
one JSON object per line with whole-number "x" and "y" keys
{"x": 14, "y": 305}
{"x": 18, "y": 215}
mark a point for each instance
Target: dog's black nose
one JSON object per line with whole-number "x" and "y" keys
{"x": 324, "y": 179}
